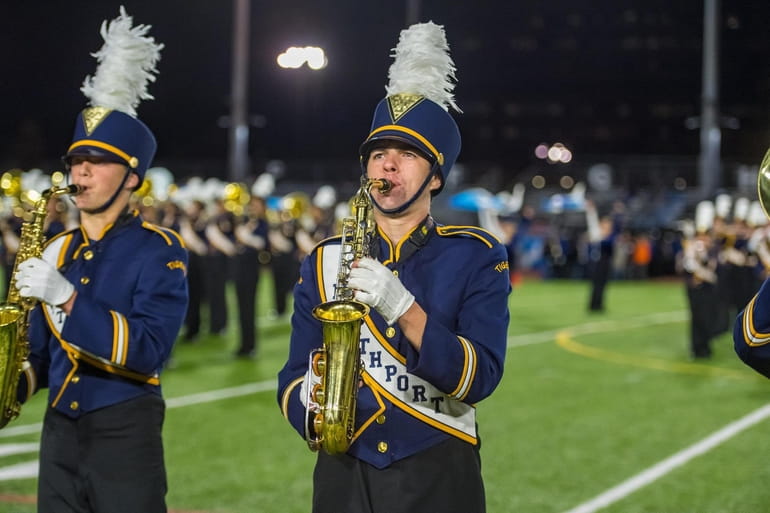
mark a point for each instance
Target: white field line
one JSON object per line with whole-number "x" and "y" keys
{"x": 662, "y": 468}
{"x": 222, "y": 393}
{"x": 26, "y": 470}
{"x": 11, "y": 449}
{"x": 528, "y": 339}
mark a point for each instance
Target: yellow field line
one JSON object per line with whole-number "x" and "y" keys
{"x": 565, "y": 341}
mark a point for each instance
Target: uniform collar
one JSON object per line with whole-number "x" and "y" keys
{"x": 408, "y": 246}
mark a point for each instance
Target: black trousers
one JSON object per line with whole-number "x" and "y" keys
{"x": 107, "y": 461}
{"x": 600, "y": 276}
{"x": 704, "y": 306}
{"x": 445, "y": 478}
{"x": 285, "y": 268}
{"x": 217, "y": 273}
{"x": 247, "y": 268}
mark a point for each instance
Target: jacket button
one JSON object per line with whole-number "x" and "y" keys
{"x": 74, "y": 405}
{"x": 88, "y": 255}
{"x": 382, "y": 447}
{"x": 381, "y": 419}
{"x": 395, "y": 272}
{"x": 390, "y": 332}
{"x": 75, "y": 379}
{"x": 84, "y": 280}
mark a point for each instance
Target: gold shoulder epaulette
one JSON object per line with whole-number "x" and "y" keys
{"x": 468, "y": 231}
{"x": 169, "y": 235}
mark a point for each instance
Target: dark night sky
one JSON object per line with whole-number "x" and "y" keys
{"x": 602, "y": 76}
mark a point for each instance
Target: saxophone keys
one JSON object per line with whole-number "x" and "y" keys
{"x": 318, "y": 363}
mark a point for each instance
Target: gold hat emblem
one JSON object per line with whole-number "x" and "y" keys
{"x": 93, "y": 116}
{"x": 402, "y": 103}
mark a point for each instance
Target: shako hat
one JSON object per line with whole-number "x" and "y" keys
{"x": 419, "y": 94}
{"x": 108, "y": 127}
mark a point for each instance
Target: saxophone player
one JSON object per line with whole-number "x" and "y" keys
{"x": 112, "y": 298}
{"x": 434, "y": 341}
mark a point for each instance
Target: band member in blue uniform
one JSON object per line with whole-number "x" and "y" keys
{"x": 113, "y": 297}
{"x": 751, "y": 331}
{"x": 253, "y": 245}
{"x": 434, "y": 342}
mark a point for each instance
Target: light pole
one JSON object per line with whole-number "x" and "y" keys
{"x": 238, "y": 130}
{"x": 709, "y": 165}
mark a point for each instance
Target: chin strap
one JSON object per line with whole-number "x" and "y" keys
{"x": 398, "y": 210}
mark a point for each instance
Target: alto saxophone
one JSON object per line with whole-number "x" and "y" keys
{"x": 14, "y": 313}
{"x": 338, "y": 363}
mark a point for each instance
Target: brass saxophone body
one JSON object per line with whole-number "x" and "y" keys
{"x": 14, "y": 312}
{"x": 338, "y": 363}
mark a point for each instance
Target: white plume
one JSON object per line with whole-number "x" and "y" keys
{"x": 422, "y": 65}
{"x": 126, "y": 62}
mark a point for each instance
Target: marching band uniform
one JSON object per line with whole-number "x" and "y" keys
{"x": 602, "y": 235}
{"x": 285, "y": 260}
{"x": 434, "y": 341}
{"x": 220, "y": 234}
{"x": 751, "y": 332}
{"x": 699, "y": 263}
{"x": 253, "y": 244}
{"x": 404, "y": 392}
{"x": 192, "y": 228}
{"x": 111, "y": 305}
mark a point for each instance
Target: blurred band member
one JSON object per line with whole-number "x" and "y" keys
{"x": 251, "y": 235}
{"x": 221, "y": 237}
{"x": 285, "y": 259}
{"x": 699, "y": 263}
{"x": 192, "y": 228}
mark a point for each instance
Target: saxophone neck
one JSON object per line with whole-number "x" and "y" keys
{"x": 72, "y": 189}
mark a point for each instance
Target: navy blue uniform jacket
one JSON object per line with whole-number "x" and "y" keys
{"x": 751, "y": 332}
{"x": 132, "y": 298}
{"x": 459, "y": 276}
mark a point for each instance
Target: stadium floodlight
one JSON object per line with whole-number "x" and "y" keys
{"x": 295, "y": 57}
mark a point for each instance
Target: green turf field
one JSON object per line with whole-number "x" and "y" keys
{"x": 593, "y": 410}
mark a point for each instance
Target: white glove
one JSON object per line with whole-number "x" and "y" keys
{"x": 378, "y": 287}
{"x": 303, "y": 389}
{"x": 39, "y": 279}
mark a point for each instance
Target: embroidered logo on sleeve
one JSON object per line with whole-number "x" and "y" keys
{"x": 177, "y": 264}
{"x": 502, "y": 266}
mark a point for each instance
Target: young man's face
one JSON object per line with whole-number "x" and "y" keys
{"x": 99, "y": 179}
{"x": 404, "y": 167}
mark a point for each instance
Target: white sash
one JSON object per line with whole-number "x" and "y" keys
{"x": 408, "y": 392}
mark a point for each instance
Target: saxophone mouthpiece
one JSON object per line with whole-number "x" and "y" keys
{"x": 384, "y": 185}
{"x": 73, "y": 189}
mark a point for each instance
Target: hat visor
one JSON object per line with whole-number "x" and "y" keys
{"x": 95, "y": 152}
{"x": 366, "y": 147}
